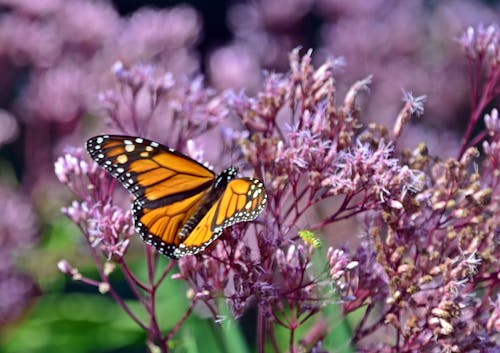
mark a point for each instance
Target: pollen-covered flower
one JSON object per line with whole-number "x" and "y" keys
{"x": 413, "y": 106}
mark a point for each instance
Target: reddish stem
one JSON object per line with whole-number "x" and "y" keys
{"x": 112, "y": 292}
{"x": 169, "y": 268}
{"x": 260, "y": 330}
{"x": 479, "y": 103}
{"x": 154, "y": 329}
{"x": 132, "y": 280}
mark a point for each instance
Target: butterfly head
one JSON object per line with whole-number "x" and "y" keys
{"x": 225, "y": 177}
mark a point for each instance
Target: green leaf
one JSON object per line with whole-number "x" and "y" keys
{"x": 232, "y": 336}
{"x": 339, "y": 338}
{"x": 73, "y": 322}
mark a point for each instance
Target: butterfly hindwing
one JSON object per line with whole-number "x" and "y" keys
{"x": 242, "y": 201}
{"x": 160, "y": 226}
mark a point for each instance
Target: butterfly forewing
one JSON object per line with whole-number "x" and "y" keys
{"x": 147, "y": 169}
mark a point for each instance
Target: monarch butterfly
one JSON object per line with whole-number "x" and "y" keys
{"x": 180, "y": 206}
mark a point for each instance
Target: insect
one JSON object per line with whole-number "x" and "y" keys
{"x": 180, "y": 206}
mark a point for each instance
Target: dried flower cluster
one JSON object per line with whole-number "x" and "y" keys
{"x": 397, "y": 54}
{"x": 425, "y": 273}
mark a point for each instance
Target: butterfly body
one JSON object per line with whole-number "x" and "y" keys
{"x": 211, "y": 196}
{"x": 180, "y": 206}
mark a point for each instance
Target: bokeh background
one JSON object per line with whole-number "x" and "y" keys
{"x": 55, "y": 61}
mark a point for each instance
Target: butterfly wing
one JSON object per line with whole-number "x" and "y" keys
{"x": 242, "y": 201}
{"x": 168, "y": 185}
{"x": 150, "y": 171}
{"x": 160, "y": 226}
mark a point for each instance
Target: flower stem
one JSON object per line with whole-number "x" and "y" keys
{"x": 167, "y": 270}
{"x": 112, "y": 292}
{"x": 260, "y": 330}
{"x": 154, "y": 329}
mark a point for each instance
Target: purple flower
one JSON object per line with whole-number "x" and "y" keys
{"x": 16, "y": 293}
{"x": 105, "y": 225}
{"x": 17, "y": 236}
{"x": 17, "y": 226}
{"x": 10, "y": 128}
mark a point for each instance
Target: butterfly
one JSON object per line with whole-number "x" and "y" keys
{"x": 180, "y": 206}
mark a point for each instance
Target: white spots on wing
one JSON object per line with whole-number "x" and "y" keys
{"x": 129, "y": 148}
{"x": 122, "y": 159}
{"x": 139, "y": 140}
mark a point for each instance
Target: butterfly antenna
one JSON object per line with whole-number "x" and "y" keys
{"x": 228, "y": 145}
{"x": 232, "y": 155}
